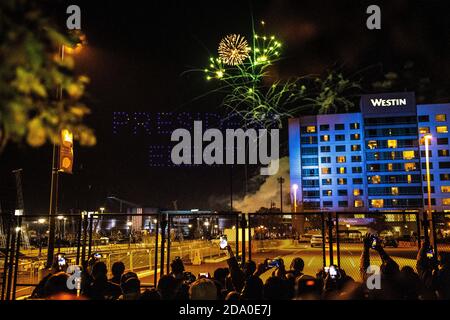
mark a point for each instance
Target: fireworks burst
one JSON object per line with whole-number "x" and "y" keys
{"x": 233, "y": 49}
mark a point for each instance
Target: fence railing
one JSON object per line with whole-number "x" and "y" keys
{"x": 147, "y": 243}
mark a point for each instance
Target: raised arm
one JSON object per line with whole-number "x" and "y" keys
{"x": 364, "y": 262}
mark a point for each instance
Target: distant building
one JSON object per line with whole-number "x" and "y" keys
{"x": 374, "y": 159}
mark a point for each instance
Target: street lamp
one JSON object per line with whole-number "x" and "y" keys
{"x": 294, "y": 190}
{"x": 427, "y": 138}
{"x": 129, "y": 224}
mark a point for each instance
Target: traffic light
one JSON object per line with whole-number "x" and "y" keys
{"x": 66, "y": 152}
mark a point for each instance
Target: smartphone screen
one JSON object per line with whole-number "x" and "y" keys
{"x": 374, "y": 241}
{"x": 223, "y": 243}
{"x": 61, "y": 260}
{"x": 97, "y": 255}
{"x": 333, "y": 272}
{"x": 273, "y": 263}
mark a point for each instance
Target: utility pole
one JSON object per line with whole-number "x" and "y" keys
{"x": 281, "y": 181}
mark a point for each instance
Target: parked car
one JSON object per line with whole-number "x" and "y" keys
{"x": 390, "y": 242}
{"x": 305, "y": 238}
{"x": 316, "y": 240}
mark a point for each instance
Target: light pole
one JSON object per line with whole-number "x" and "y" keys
{"x": 40, "y": 222}
{"x": 427, "y": 139}
{"x": 281, "y": 181}
{"x": 129, "y": 224}
{"x": 294, "y": 191}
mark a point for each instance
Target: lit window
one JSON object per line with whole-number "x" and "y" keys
{"x": 376, "y": 179}
{"x": 392, "y": 143}
{"x": 356, "y": 192}
{"x": 326, "y": 170}
{"x": 445, "y": 189}
{"x": 409, "y": 178}
{"x": 446, "y": 202}
{"x": 377, "y": 203}
{"x": 424, "y": 130}
{"x": 442, "y": 129}
{"x": 443, "y": 153}
{"x": 394, "y": 191}
{"x": 390, "y": 167}
{"x": 372, "y": 144}
{"x": 408, "y": 155}
{"x": 410, "y": 166}
{"x": 356, "y": 147}
{"x": 340, "y": 159}
{"x": 342, "y": 170}
{"x": 358, "y": 204}
{"x": 328, "y": 193}
{"x": 325, "y": 138}
{"x": 342, "y": 181}
{"x": 393, "y": 155}
{"x": 310, "y": 129}
{"x": 441, "y": 117}
{"x": 354, "y": 125}
{"x": 354, "y": 136}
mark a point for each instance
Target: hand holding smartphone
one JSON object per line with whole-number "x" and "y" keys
{"x": 223, "y": 242}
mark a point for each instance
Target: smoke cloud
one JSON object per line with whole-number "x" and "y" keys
{"x": 267, "y": 192}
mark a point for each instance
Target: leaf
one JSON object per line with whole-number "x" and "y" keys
{"x": 36, "y": 133}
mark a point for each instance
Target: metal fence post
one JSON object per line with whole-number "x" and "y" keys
{"x": 5, "y": 263}
{"x": 237, "y": 235}
{"x": 131, "y": 260}
{"x": 16, "y": 262}
{"x": 418, "y": 230}
{"x": 91, "y": 225}
{"x": 338, "y": 248}
{"x": 156, "y": 249}
{"x": 83, "y": 248}
{"x": 163, "y": 240}
{"x": 80, "y": 226}
{"x": 243, "y": 231}
{"x": 433, "y": 224}
{"x": 169, "y": 220}
{"x": 11, "y": 259}
{"x": 330, "y": 236}
{"x": 323, "y": 239}
{"x": 249, "y": 237}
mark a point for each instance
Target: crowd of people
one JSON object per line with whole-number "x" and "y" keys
{"x": 244, "y": 282}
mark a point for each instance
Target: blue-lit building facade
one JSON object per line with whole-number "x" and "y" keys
{"x": 373, "y": 160}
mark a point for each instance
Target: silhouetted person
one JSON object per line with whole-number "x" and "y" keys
{"x": 117, "y": 269}
{"x": 100, "y": 288}
{"x": 131, "y": 286}
{"x": 203, "y": 289}
{"x": 168, "y": 287}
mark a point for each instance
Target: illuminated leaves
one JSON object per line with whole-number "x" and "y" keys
{"x": 39, "y": 92}
{"x": 36, "y": 133}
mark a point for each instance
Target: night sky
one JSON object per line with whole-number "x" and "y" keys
{"x": 137, "y": 58}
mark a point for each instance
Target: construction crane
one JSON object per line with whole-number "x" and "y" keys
{"x": 121, "y": 202}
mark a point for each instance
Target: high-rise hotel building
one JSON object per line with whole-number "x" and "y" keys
{"x": 373, "y": 159}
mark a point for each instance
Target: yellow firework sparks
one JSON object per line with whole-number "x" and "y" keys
{"x": 233, "y": 49}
